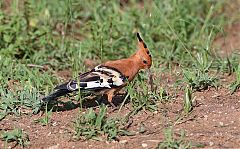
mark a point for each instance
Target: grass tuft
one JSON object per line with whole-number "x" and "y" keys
{"x": 171, "y": 142}
{"x": 92, "y": 125}
{"x": 236, "y": 84}
{"x": 15, "y": 135}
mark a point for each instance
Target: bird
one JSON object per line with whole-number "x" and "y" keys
{"x": 107, "y": 78}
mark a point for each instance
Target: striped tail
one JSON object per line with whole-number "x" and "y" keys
{"x": 64, "y": 89}
{"x": 60, "y": 90}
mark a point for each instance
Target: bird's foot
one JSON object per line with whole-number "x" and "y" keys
{"x": 114, "y": 108}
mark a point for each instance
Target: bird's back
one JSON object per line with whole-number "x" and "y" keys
{"x": 99, "y": 78}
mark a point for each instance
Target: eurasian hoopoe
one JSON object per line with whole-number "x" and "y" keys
{"x": 108, "y": 78}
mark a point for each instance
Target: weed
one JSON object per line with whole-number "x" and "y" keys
{"x": 227, "y": 65}
{"x": 162, "y": 96}
{"x": 198, "y": 77}
{"x": 171, "y": 143}
{"x": 236, "y": 84}
{"x": 198, "y": 80}
{"x": 187, "y": 104}
{"x": 46, "y": 119}
{"x": 17, "y": 135}
{"x": 16, "y": 102}
{"x": 141, "y": 99}
{"x": 91, "y": 125}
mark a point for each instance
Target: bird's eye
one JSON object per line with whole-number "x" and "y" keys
{"x": 145, "y": 62}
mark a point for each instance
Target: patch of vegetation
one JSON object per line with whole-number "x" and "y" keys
{"x": 198, "y": 77}
{"x": 92, "y": 125}
{"x": 18, "y": 101}
{"x": 170, "y": 142}
{"x": 236, "y": 84}
{"x": 188, "y": 99}
{"x": 142, "y": 99}
{"x": 46, "y": 119}
{"x": 199, "y": 81}
{"x": 15, "y": 135}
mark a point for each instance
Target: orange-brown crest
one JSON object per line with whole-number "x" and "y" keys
{"x": 144, "y": 53}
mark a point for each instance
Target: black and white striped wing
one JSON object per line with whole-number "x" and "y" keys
{"x": 101, "y": 77}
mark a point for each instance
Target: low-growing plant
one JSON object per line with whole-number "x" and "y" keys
{"x": 18, "y": 101}
{"x": 203, "y": 61}
{"x": 16, "y": 135}
{"x": 142, "y": 98}
{"x": 46, "y": 119}
{"x": 187, "y": 101}
{"x": 198, "y": 80}
{"x": 236, "y": 84}
{"x": 227, "y": 64}
{"x": 161, "y": 95}
{"x": 92, "y": 125}
{"x": 170, "y": 142}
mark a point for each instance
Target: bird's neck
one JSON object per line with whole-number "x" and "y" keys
{"x": 136, "y": 58}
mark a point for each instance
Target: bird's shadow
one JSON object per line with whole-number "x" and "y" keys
{"x": 59, "y": 105}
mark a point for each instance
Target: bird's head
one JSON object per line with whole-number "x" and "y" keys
{"x": 143, "y": 54}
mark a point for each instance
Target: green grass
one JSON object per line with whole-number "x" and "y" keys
{"x": 188, "y": 101}
{"x": 15, "y": 135}
{"x": 92, "y": 125}
{"x": 40, "y": 38}
{"x": 170, "y": 141}
{"x": 46, "y": 119}
{"x": 140, "y": 98}
{"x": 234, "y": 86}
{"x": 198, "y": 80}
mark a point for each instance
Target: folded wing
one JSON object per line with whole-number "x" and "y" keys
{"x": 101, "y": 77}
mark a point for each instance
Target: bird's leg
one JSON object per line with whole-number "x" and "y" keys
{"x": 100, "y": 98}
{"x": 110, "y": 95}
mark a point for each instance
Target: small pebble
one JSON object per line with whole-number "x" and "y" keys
{"x": 211, "y": 143}
{"x": 123, "y": 141}
{"x": 144, "y": 145}
{"x": 54, "y": 124}
{"x": 54, "y": 146}
{"x": 221, "y": 123}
